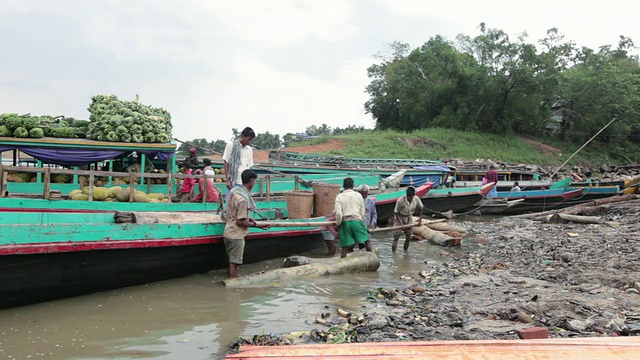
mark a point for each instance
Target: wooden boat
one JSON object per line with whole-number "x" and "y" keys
{"x": 438, "y": 201}
{"x": 539, "y": 200}
{"x": 561, "y": 184}
{"x": 593, "y": 193}
{"x": 46, "y": 256}
{"x": 386, "y": 202}
{"x": 418, "y": 172}
{"x": 497, "y": 206}
{"x": 72, "y": 154}
{"x": 469, "y": 175}
{"x": 605, "y": 347}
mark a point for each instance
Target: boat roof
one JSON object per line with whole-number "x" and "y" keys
{"x": 86, "y": 144}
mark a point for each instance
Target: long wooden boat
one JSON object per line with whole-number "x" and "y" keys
{"x": 573, "y": 348}
{"x": 85, "y": 162}
{"x": 457, "y": 200}
{"x": 386, "y": 202}
{"x": 539, "y": 200}
{"x": 46, "y": 256}
{"x": 593, "y": 193}
{"x": 416, "y": 175}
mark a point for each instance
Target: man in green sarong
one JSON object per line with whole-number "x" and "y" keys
{"x": 350, "y": 213}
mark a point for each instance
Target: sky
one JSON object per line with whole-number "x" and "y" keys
{"x": 274, "y": 65}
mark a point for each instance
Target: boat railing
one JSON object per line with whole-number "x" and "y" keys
{"x": 44, "y": 174}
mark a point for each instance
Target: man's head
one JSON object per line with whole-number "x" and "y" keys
{"x": 206, "y": 162}
{"x": 492, "y": 167}
{"x": 249, "y": 178}
{"x": 193, "y": 151}
{"x": 516, "y": 184}
{"x": 186, "y": 166}
{"x": 411, "y": 192}
{"x": 347, "y": 183}
{"x": 246, "y": 136}
{"x": 364, "y": 190}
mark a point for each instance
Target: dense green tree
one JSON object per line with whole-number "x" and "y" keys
{"x": 492, "y": 83}
{"x": 267, "y": 141}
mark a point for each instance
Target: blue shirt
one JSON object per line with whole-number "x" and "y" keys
{"x": 371, "y": 214}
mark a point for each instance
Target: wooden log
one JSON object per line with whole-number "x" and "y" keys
{"x": 441, "y": 225}
{"x": 435, "y": 236}
{"x": 141, "y": 217}
{"x": 561, "y": 217}
{"x": 297, "y": 223}
{"x": 397, "y": 227}
{"x": 358, "y": 261}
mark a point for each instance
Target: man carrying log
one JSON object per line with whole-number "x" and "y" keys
{"x": 238, "y": 220}
{"x": 406, "y": 206}
{"x": 350, "y": 213}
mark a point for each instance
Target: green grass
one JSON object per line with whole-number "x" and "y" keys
{"x": 444, "y": 144}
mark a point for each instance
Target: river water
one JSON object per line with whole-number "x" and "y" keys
{"x": 196, "y": 317}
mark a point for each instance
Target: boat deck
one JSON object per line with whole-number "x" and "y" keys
{"x": 618, "y": 348}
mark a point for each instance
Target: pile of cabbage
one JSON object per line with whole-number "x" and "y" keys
{"x": 112, "y": 119}
{"x": 27, "y": 126}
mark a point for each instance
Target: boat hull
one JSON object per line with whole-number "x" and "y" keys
{"x": 47, "y": 256}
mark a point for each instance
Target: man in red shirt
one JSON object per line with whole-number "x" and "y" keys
{"x": 492, "y": 177}
{"x": 187, "y": 183}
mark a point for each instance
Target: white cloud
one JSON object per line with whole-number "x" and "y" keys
{"x": 279, "y": 23}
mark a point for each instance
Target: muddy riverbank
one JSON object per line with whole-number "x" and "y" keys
{"x": 572, "y": 279}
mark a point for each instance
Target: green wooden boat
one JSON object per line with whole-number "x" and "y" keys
{"x": 99, "y": 159}
{"x": 48, "y": 255}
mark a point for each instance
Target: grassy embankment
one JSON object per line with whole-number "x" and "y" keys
{"x": 442, "y": 144}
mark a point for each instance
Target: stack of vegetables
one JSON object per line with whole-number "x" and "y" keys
{"x": 116, "y": 193}
{"x": 127, "y": 121}
{"x": 27, "y": 126}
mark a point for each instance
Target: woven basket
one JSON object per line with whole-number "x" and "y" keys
{"x": 325, "y": 198}
{"x": 299, "y": 204}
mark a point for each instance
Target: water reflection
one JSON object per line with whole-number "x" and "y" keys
{"x": 194, "y": 317}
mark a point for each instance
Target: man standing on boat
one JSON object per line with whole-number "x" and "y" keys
{"x": 238, "y": 220}
{"x": 370, "y": 214}
{"x": 350, "y": 214}
{"x": 406, "y": 206}
{"x": 492, "y": 177}
{"x": 238, "y": 156}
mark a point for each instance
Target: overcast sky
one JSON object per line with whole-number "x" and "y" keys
{"x": 275, "y": 65}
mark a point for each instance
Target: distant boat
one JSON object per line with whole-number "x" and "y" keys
{"x": 539, "y": 200}
{"x": 456, "y": 200}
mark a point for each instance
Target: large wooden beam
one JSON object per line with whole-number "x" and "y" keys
{"x": 358, "y": 261}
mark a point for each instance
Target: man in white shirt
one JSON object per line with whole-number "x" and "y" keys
{"x": 406, "y": 207}
{"x": 238, "y": 157}
{"x": 350, "y": 214}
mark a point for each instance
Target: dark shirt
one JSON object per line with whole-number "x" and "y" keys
{"x": 193, "y": 161}
{"x": 491, "y": 176}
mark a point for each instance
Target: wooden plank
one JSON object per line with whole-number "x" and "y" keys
{"x": 175, "y": 218}
{"x": 619, "y": 348}
{"x": 92, "y": 180}
{"x": 5, "y": 174}
{"x": 47, "y": 184}
{"x": 297, "y": 223}
{"x": 132, "y": 190}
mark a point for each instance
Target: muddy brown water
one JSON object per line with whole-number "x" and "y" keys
{"x": 194, "y": 317}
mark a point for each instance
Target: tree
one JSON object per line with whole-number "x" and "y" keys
{"x": 314, "y": 130}
{"x": 267, "y": 141}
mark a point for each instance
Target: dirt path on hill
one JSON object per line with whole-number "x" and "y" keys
{"x": 331, "y": 144}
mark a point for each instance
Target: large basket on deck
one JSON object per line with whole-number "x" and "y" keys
{"x": 299, "y": 204}
{"x": 325, "y": 198}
